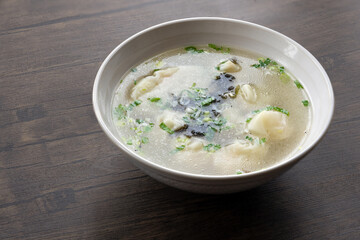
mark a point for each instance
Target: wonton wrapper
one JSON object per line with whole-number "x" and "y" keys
{"x": 270, "y": 124}
{"x": 229, "y": 66}
{"x": 248, "y": 93}
{"x": 148, "y": 83}
{"x": 241, "y": 154}
{"x": 172, "y": 120}
{"x": 195, "y": 145}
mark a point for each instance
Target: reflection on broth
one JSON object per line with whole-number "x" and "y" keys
{"x": 211, "y": 110}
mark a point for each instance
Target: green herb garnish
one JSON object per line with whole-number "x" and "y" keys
{"x": 298, "y": 84}
{"x": 306, "y": 103}
{"x": 133, "y": 70}
{"x": 219, "y": 48}
{"x": 239, "y": 172}
{"x": 249, "y": 138}
{"x": 129, "y": 142}
{"x": 220, "y": 121}
{"x": 135, "y": 82}
{"x": 144, "y": 140}
{"x": 120, "y": 111}
{"x": 139, "y": 121}
{"x": 264, "y": 63}
{"x": 194, "y": 49}
{"x": 270, "y": 108}
{"x": 147, "y": 128}
{"x": 263, "y": 140}
{"x": 212, "y": 147}
{"x": 154, "y": 99}
{"x": 166, "y": 128}
{"x": 248, "y": 120}
{"x": 180, "y": 148}
{"x": 155, "y": 70}
{"x": 207, "y": 101}
{"x": 137, "y": 102}
{"x": 186, "y": 119}
{"x": 272, "y": 65}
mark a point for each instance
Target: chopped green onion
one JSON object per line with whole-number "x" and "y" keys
{"x": 298, "y": 84}
{"x": 166, "y": 128}
{"x": 137, "y": 102}
{"x": 249, "y": 138}
{"x": 139, "y": 121}
{"x": 147, "y": 129}
{"x": 154, "y": 99}
{"x": 120, "y": 111}
{"x": 306, "y": 103}
{"x": 271, "y": 108}
{"x": 180, "y": 148}
{"x": 194, "y": 49}
{"x": 212, "y": 147}
{"x": 186, "y": 119}
{"x": 219, "y": 48}
{"x": 144, "y": 140}
{"x": 208, "y": 101}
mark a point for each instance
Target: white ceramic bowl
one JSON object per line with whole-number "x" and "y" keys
{"x": 222, "y": 31}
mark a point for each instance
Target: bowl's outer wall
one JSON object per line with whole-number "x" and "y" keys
{"x": 232, "y": 33}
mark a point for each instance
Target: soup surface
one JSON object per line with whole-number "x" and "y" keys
{"x": 211, "y": 110}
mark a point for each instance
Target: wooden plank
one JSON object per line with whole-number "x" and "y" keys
{"x": 61, "y": 178}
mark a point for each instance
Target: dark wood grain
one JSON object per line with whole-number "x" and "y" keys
{"x": 61, "y": 178}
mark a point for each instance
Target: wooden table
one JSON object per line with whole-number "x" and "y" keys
{"x": 61, "y": 178}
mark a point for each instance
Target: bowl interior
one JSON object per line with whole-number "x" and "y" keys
{"x": 228, "y": 32}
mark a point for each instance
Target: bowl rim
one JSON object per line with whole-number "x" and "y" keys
{"x": 164, "y": 170}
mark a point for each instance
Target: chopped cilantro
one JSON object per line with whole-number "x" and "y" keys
{"x": 133, "y": 69}
{"x": 129, "y": 142}
{"x": 249, "y": 138}
{"x": 219, "y": 48}
{"x": 166, "y": 128}
{"x": 194, "y": 49}
{"x": 139, "y": 121}
{"x": 220, "y": 121}
{"x": 238, "y": 172}
{"x": 180, "y": 148}
{"x": 154, "y": 99}
{"x": 137, "y": 102}
{"x": 298, "y": 84}
{"x": 147, "y": 128}
{"x": 144, "y": 140}
{"x": 207, "y": 101}
{"x": 135, "y": 82}
{"x": 120, "y": 111}
{"x": 209, "y": 134}
{"x": 263, "y": 140}
{"x": 212, "y": 147}
{"x": 271, "y": 108}
{"x": 272, "y": 65}
{"x": 186, "y": 119}
{"x": 155, "y": 70}
{"x": 306, "y": 103}
{"x": 248, "y": 120}
{"x": 281, "y": 69}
